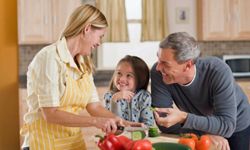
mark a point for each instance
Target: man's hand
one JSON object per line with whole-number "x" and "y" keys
{"x": 219, "y": 142}
{"x": 174, "y": 115}
{"x": 127, "y": 95}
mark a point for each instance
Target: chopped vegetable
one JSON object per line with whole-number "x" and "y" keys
{"x": 153, "y": 132}
{"x": 152, "y": 108}
{"x": 138, "y": 135}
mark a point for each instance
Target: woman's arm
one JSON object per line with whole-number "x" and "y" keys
{"x": 96, "y": 109}
{"x": 56, "y": 116}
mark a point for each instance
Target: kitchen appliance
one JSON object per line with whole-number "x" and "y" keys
{"x": 239, "y": 64}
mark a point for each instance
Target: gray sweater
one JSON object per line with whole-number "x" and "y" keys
{"x": 214, "y": 102}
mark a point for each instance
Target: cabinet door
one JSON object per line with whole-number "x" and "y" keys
{"x": 241, "y": 18}
{"x": 213, "y": 20}
{"x": 34, "y": 21}
{"x": 62, "y": 9}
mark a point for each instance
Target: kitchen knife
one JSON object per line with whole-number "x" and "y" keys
{"x": 131, "y": 129}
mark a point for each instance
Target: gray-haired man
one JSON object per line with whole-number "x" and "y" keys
{"x": 207, "y": 98}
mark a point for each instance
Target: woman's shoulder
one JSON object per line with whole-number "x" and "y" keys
{"x": 47, "y": 52}
{"x": 47, "y": 56}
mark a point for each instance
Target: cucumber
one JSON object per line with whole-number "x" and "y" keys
{"x": 138, "y": 135}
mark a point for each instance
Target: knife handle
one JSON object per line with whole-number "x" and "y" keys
{"x": 121, "y": 128}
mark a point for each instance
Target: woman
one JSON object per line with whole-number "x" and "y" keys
{"x": 60, "y": 85}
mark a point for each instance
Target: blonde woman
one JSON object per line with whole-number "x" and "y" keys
{"x": 60, "y": 85}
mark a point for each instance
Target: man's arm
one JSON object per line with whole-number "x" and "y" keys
{"x": 161, "y": 98}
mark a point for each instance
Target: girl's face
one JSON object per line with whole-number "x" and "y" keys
{"x": 124, "y": 78}
{"x": 91, "y": 40}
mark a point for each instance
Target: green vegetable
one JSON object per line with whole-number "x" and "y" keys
{"x": 138, "y": 135}
{"x": 153, "y": 132}
{"x": 152, "y": 109}
{"x": 172, "y": 146}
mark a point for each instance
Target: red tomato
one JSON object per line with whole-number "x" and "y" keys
{"x": 188, "y": 142}
{"x": 142, "y": 145}
{"x": 192, "y": 136}
{"x": 139, "y": 145}
{"x": 203, "y": 143}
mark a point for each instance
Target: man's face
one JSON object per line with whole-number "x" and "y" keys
{"x": 171, "y": 70}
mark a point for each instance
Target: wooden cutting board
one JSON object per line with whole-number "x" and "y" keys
{"x": 164, "y": 138}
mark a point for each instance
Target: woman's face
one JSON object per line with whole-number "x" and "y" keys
{"x": 91, "y": 39}
{"x": 124, "y": 78}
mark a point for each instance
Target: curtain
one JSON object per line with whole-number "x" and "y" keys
{"x": 154, "y": 20}
{"x": 115, "y": 12}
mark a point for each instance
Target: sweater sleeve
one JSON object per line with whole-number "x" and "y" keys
{"x": 161, "y": 98}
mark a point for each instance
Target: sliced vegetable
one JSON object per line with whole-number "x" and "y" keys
{"x": 153, "y": 132}
{"x": 138, "y": 135}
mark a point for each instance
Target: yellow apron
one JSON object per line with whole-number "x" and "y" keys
{"x": 47, "y": 136}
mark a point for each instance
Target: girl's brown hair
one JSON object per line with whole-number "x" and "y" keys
{"x": 140, "y": 69}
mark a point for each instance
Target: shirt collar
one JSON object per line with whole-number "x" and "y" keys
{"x": 66, "y": 57}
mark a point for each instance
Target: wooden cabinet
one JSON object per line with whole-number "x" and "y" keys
{"x": 245, "y": 85}
{"x": 223, "y": 20}
{"x": 41, "y": 21}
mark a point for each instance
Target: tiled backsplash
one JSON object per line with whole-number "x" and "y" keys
{"x": 27, "y": 52}
{"x": 225, "y": 48}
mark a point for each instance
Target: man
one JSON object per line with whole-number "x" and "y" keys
{"x": 207, "y": 97}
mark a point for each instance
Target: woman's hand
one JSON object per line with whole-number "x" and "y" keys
{"x": 219, "y": 142}
{"x": 173, "y": 116}
{"x": 127, "y": 95}
{"x": 107, "y": 125}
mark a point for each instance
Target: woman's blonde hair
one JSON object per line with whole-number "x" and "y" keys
{"x": 82, "y": 16}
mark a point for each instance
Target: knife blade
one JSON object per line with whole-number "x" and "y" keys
{"x": 131, "y": 129}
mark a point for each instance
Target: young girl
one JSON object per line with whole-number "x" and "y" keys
{"x": 128, "y": 96}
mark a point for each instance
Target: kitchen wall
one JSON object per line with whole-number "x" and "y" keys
{"x": 147, "y": 50}
{"x": 9, "y": 122}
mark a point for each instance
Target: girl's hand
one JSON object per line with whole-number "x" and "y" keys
{"x": 127, "y": 95}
